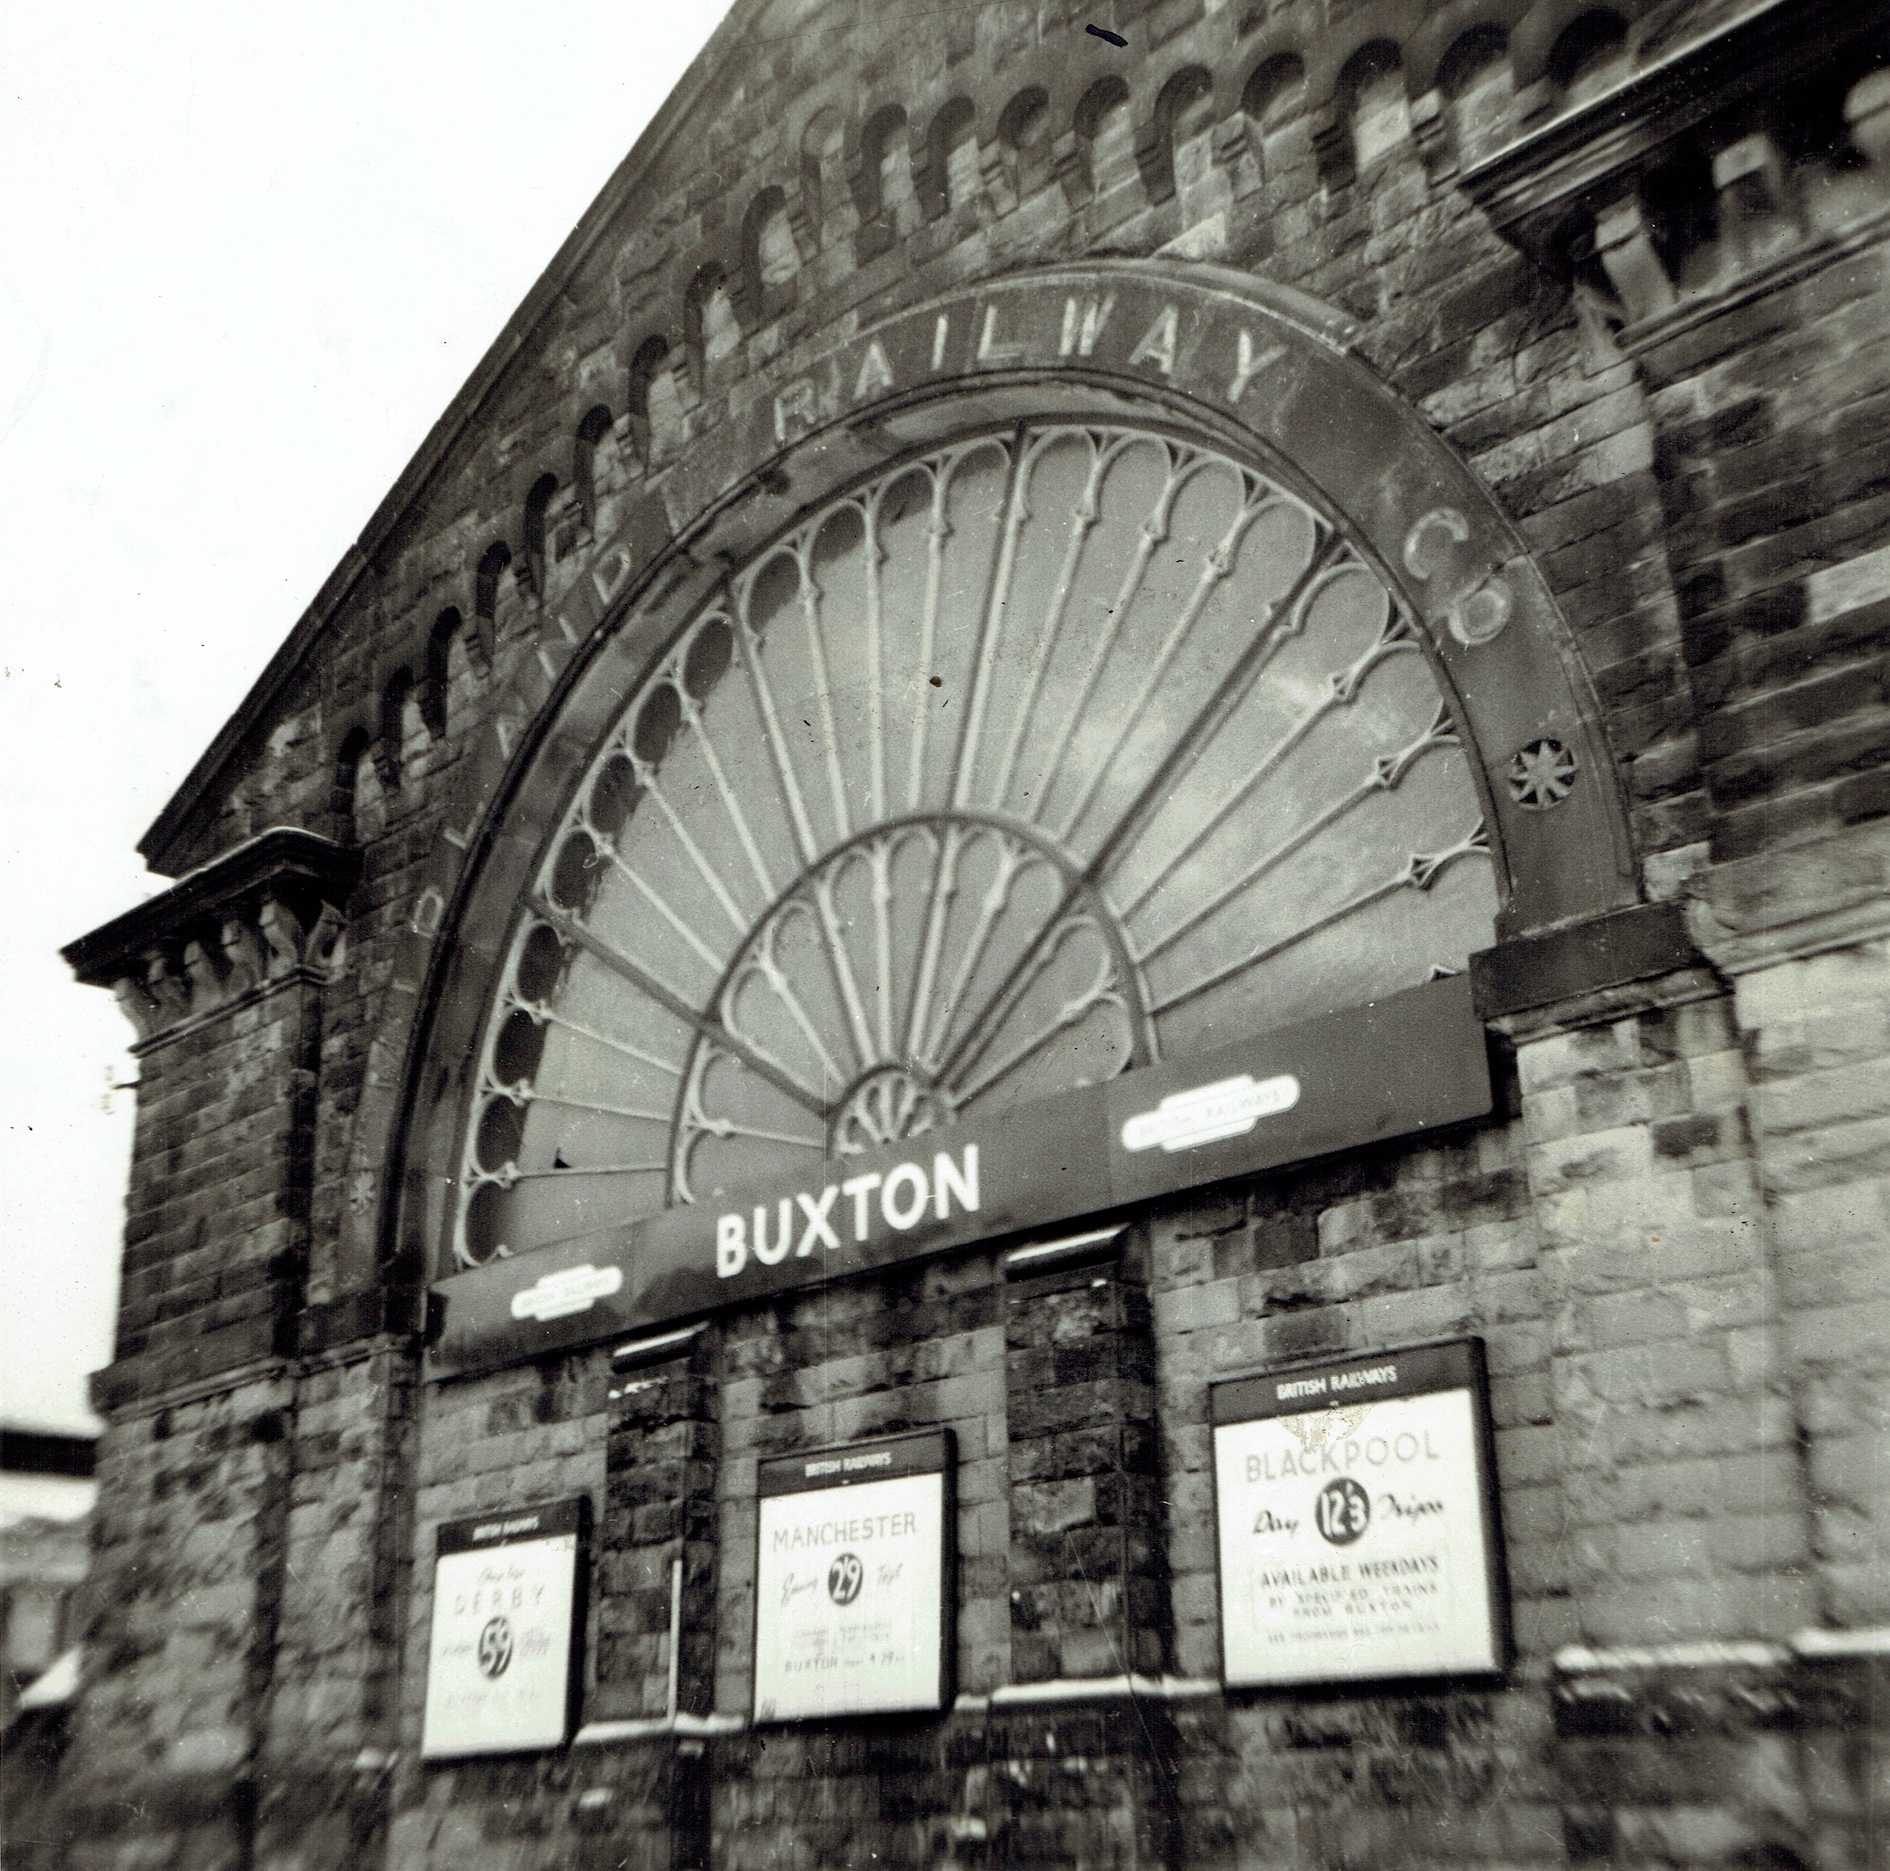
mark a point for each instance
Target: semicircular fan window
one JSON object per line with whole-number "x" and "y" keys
{"x": 1053, "y": 753}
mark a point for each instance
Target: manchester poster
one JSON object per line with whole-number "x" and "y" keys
{"x": 1357, "y": 1521}
{"x": 853, "y": 1580}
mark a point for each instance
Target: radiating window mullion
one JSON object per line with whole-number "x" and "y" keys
{"x": 677, "y": 1004}
{"x": 1097, "y": 994}
{"x": 771, "y": 727}
{"x": 650, "y": 781}
{"x": 871, "y": 557}
{"x": 604, "y": 1039}
{"x": 670, "y": 915}
{"x": 810, "y": 596}
{"x": 762, "y": 958}
{"x": 938, "y": 530}
{"x": 840, "y": 960}
{"x": 1386, "y": 772}
{"x": 1341, "y": 690}
{"x": 1182, "y": 753}
{"x": 991, "y": 616}
{"x": 1418, "y": 872}
{"x": 1082, "y": 520}
{"x": 938, "y": 907}
{"x": 1219, "y": 565}
{"x": 990, "y": 907}
{"x": 695, "y": 716}
{"x": 1153, "y": 531}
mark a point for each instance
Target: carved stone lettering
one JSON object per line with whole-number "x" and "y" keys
{"x": 1159, "y": 342}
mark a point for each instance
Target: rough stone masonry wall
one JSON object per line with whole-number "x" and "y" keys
{"x": 183, "y": 1603}
{"x": 1608, "y": 1243}
{"x": 1817, "y": 1032}
{"x": 1690, "y": 1429}
{"x": 180, "y": 1633}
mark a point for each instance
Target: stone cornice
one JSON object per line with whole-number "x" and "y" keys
{"x": 1548, "y": 186}
{"x": 261, "y": 912}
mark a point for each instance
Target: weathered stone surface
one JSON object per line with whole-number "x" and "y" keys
{"x": 1669, "y": 1237}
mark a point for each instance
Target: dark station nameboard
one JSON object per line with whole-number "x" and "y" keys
{"x": 1412, "y": 1062}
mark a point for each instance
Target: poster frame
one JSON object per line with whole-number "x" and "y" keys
{"x": 1465, "y": 1361}
{"x": 573, "y": 1514}
{"x": 916, "y": 1452}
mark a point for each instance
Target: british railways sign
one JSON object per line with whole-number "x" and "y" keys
{"x": 507, "y": 1613}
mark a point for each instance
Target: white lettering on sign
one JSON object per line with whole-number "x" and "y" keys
{"x": 1372, "y": 1374}
{"x": 861, "y": 1527}
{"x": 499, "y": 1657}
{"x": 794, "y": 410}
{"x": 905, "y": 1193}
{"x": 875, "y": 373}
{"x": 558, "y": 1295}
{"x": 1334, "y": 1458}
{"x": 850, "y": 1601}
{"x": 818, "y": 1228}
{"x": 848, "y": 1464}
{"x": 1230, "y": 1107}
{"x": 772, "y": 1254}
{"x": 1085, "y": 318}
{"x": 1477, "y": 610}
{"x": 991, "y": 350}
{"x": 1248, "y": 364}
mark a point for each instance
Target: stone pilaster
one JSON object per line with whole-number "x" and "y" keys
{"x": 223, "y": 976}
{"x": 660, "y": 1510}
{"x": 1083, "y": 1782}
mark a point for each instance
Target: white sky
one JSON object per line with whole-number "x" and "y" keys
{"x": 250, "y": 253}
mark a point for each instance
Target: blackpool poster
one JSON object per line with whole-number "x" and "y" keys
{"x": 1357, "y": 1521}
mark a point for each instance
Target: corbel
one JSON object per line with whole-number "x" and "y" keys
{"x": 1624, "y": 244}
{"x": 1756, "y": 210}
{"x": 208, "y": 984}
{"x": 246, "y": 961}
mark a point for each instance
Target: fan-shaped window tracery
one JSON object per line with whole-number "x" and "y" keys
{"x": 1050, "y": 753}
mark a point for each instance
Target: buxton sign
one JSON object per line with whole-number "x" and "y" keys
{"x": 1408, "y": 1063}
{"x": 1356, "y": 1505}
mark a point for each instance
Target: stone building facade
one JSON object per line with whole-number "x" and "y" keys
{"x": 991, "y": 562}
